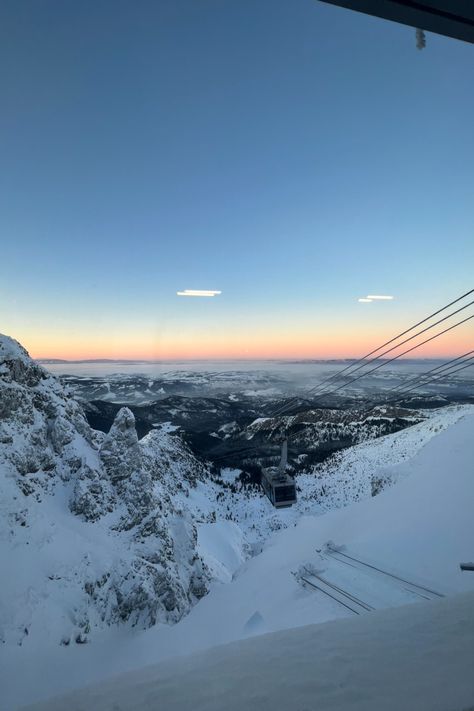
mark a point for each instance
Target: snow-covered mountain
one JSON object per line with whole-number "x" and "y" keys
{"x": 290, "y": 643}
{"x": 90, "y": 532}
{"x": 102, "y": 535}
{"x": 220, "y": 415}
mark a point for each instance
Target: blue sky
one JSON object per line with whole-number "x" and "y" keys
{"x": 292, "y": 154}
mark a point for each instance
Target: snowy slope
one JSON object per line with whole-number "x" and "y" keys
{"x": 412, "y": 658}
{"x": 347, "y": 476}
{"x": 419, "y": 529}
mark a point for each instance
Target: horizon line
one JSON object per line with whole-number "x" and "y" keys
{"x": 59, "y": 361}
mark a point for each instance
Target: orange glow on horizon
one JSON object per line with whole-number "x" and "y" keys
{"x": 227, "y": 345}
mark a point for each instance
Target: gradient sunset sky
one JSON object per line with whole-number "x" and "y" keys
{"x": 294, "y": 155}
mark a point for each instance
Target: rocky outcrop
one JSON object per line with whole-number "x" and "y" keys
{"x": 110, "y": 544}
{"x": 120, "y": 451}
{"x": 43, "y": 434}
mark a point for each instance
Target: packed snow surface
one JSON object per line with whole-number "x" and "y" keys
{"x": 418, "y": 529}
{"x": 412, "y": 658}
{"x": 222, "y": 547}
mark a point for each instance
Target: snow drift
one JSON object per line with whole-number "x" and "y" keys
{"x": 416, "y": 658}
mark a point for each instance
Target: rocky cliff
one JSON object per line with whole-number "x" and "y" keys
{"x": 90, "y": 533}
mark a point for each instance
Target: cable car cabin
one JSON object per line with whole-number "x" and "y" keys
{"x": 279, "y": 487}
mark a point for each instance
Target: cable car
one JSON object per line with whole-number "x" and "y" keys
{"x": 277, "y": 484}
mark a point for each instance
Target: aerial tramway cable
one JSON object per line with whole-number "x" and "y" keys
{"x": 395, "y": 338}
{"x": 390, "y": 360}
{"x": 362, "y": 362}
{"x": 436, "y": 377}
{"x": 419, "y": 380}
{"x": 442, "y": 369}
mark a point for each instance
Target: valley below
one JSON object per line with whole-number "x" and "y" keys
{"x": 230, "y": 417}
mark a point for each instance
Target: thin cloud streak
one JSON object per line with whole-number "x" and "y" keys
{"x": 184, "y": 293}
{"x": 375, "y": 297}
{"x": 198, "y": 292}
{"x": 202, "y": 291}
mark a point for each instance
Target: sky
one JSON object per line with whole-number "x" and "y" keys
{"x": 293, "y": 155}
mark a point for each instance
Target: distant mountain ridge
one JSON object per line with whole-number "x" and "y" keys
{"x": 290, "y": 361}
{"x": 52, "y": 361}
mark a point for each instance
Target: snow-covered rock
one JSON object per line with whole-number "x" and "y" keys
{"x": 120, "y": 451}
{"x": 89, "y": 533}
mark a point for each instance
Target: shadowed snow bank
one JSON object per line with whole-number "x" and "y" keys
{"x": 414, "y": 657}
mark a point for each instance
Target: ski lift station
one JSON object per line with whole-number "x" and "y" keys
{"x": 277, "y": 484}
